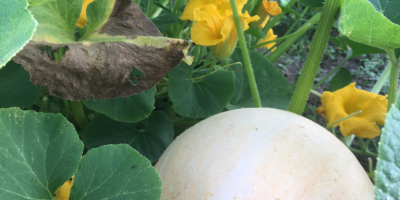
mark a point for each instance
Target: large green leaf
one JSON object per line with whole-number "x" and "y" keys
{"x": 15, "y": 88}
{"x": 359, "y": 49}
{"x": 150, "y": 141}
{"x": 56, "y": 20}
{"x": 389, "y": 8}
{"x": 119, "y": 39}
{"x": 362, "y": 21}
{"x": 274, "y": 89}
{"x": 39, "y": 152}
{"x": 17, "y": 28}
{"x": 341, "y": 79}
{"x": 387, "y": 184}
{"x": 125, "y": 109}
{"x": 116, "y": 172}
{"x": 199, "y": 98}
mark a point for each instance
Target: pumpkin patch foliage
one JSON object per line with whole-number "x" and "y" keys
{"x": 199, "y": 99}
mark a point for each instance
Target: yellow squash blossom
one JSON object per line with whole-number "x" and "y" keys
{"x": 343, "y": 102}
{"x": 82, "y": 17}
{"x": 188, "y": 13}
{"x": 267, "y": 8}
{"x": 268, "y": 37}
{"x": 63, "y": 192}
{"x": 218, "y": 30}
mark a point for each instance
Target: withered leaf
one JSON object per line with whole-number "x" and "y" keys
{"x": 100, "y": 65}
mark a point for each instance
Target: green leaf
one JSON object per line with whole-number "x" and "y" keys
{"x": 116, "y": 172}
{"x": 389, "y": 8}
{"x": 150, "y": 140}
{"x": 39, "y": 2}
{"x": 274, "y": 89}
{"x": 199, "y": 98}
{"x": 255, "y": 32}
{"x": 15, "y": 88}
{"x": 39, "y": 153}
{"x": 165, "y": 19}
{"x": 339, "y": 43}
{"x": 119, "y": 37}
{"x": 360, "y": 49}
{"x": 17, "y": 28}
{"x": 98, "y": 13}
{"x": 361, "y": 21}
{"x": 125, "y": 109}
{"x": 56, "y": 20}
{"x": 341, "y": 79}
{"x": 387, "y": 184}
{"x": 313, "y": 3}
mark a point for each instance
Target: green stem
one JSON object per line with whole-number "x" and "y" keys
{"x": 211, "y": 67}
{"x": 300, "y": 31}
{"x": 273, "y": 57}
{"x": 314, "y": 57}
{"x": 290, "y": 11}
{"x": 344, "y": 118}
{"x": 382, "y": 79}
{"x": 348, "y": 140}
{"x": 158, "y": 10}
{"x": 148, "y": 11}
{"x": 79, "y": 114}
{"x": 162, "y": 84}
{"x": 297, "y": 21}
{"x": 322, "y": 81}
{"x": 366, "y": 153}
{"x": 371, "y": 173}
{"x": 67, "y": 109}
{"x": 315, "y": 93}
{"x": 200, "y": 55}
{"x": 362, "y": 144}
{"x": 178, "y": 4}
{"x": 274, "y": 20}
{"x": 170, "y": 5}
{"x": 246, "y": 57}
{"x": 44, "y": 105}
{"x": 394, "y": 78}
{"x": 367, "y": 143}
{"x": 222, "y": 68}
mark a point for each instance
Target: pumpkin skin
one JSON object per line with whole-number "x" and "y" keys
{"x": 261, "y": 153}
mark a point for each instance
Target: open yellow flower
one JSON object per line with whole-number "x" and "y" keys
{"x": 268, "y": 37}
{"x": 266, "y": 9}
{"x": 343, "y": 102}
{"x": 188, "y": 13}
{"x": 218, "y": 30}
{"x": 82, "y": 17}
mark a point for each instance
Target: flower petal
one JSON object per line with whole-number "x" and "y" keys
{"x": 82, "y": 17}
{"x": 191, "y": 7}
{"x": 201, "y": 34}
{"x": 270, "y": 36}
{"x": 207, "y": 30}
{"x": 360, "y": 127}
{"x": 272, "y": 7}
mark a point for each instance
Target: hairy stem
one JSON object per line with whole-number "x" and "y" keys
{"x": 314, "y": 57}
{"x": 246, "y": 57}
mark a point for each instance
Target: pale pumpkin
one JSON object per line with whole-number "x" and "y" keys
{"x": 261, "y": 153}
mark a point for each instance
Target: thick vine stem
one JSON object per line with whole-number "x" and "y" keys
{"x": 314, "y": 57}
{"x": 246, "y": 57}
{"x": 79, "y": 114}
{"x": 394, "y": 77}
